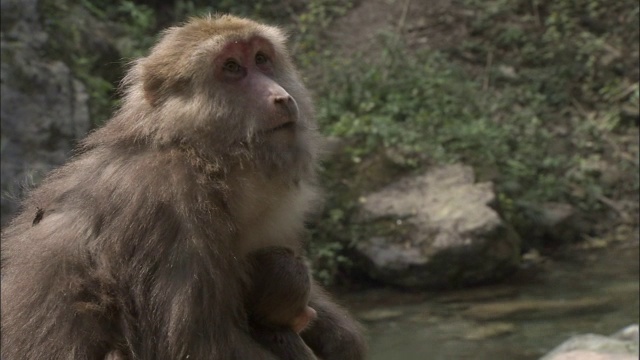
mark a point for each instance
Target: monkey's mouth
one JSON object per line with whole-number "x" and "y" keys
{"x": 289, "y": 125}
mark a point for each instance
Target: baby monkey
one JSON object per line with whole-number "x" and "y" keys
{"x": 278, "y": 299}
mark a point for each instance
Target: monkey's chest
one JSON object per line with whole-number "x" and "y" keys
{"x": 276, "y": 220}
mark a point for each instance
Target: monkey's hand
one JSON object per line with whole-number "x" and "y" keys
{"x": 334, "y": 335}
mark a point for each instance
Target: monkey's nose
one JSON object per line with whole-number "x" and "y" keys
{"x": 283, "y": 99}
{"x": 289, "y": 104}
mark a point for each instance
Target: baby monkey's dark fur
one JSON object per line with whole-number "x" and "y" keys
{"x": 278, "y": 300}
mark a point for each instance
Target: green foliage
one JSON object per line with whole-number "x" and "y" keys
{"x": 408, "y": 107}
{"x": 96, "y": 61}
{"x": 527, "y": 128}
{"x": 313, "y": 21}
{"x": 409, "y": 111}
{"x": 327, "y": 259}
{"x": 569, "y": 50}
{"x": 265, "y": 10}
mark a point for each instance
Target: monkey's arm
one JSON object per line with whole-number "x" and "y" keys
{"x": 334, "y": 335}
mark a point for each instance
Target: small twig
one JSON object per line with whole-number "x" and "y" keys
{"x": 403, "y": 17}
{"x": 610, "y": 203}
{"x": 626, "y": 92}
{"x": 487, "y": 71}
{"x": 579, "y": 107}
{"x": 617, "y": 151}
{"x": 536, "y": 12}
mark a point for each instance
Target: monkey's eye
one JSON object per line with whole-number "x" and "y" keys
{"x": 261, "y": 59}
{"x": 231, "y": 66}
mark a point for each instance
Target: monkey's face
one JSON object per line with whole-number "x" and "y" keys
{"x": 246, "y": 70}
{"x": 230, "y": 84}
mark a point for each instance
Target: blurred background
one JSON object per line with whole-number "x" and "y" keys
{"x": 481, "y": 177}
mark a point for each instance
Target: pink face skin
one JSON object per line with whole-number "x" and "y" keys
{"x": 248, "y": 68}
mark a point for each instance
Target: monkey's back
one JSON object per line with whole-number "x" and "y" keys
{"x": 96, "y": 245}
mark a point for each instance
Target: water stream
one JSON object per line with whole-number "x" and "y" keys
{"x": 594, "y": 291}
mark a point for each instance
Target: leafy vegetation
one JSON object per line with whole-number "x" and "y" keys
{"x": 551, "y": 86}
{"x": 85, "y": 38}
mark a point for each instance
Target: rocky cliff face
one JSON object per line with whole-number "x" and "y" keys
{"x": 44, "y": 109}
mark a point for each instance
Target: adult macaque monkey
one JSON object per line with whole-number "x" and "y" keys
{"x": 137, "y": 248}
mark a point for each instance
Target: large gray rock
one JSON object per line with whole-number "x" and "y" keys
{"x": 437, "y": 230}
{"x": 622, "y": 345}
{"x": 44, "y": 109}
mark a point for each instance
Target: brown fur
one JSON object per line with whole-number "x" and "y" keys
{"x": 136, "y": 247}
